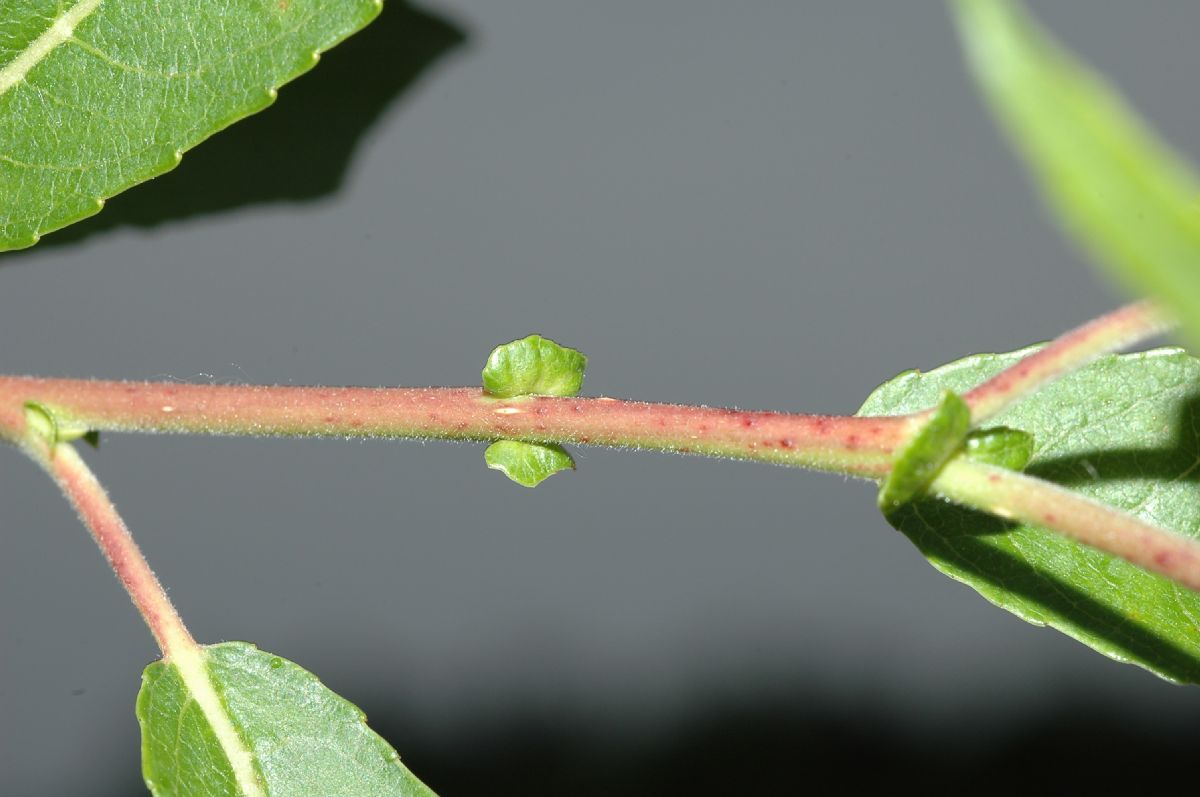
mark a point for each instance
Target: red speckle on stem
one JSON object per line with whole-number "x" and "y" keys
{"x": 786, "y": 443}
{"x": 1049, "y": 517}
{"x": 852, "y": 441}
{"x": 1162, "y": 558}
{"x": 993, "y": 477}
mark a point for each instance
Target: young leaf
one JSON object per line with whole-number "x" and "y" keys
{"x": 1118, "y": 190}
{"x": 1000, "y": 446}
{"x": 533, "y": 366}
{"x": 916, "y": 465}
{"x": 99, "y": 95}
{"x": 53, "y": 430}
{"x": 1124, "y": 431}
{"x": 528, "y": 464}
{"x": 301, "y": 738}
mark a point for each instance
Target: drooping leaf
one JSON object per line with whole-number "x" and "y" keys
{"x": 533, "y": 366}
{"x": 1117, "y": 188}
{"x": 916, "y": 465}
{"x": 302, "y": 739}
{"x": 528, "y": 464}
{"x": 1125, "y": 431}
{"x": 99, "y": 95}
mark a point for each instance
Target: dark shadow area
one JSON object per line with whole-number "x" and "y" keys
{"x": 299, "y": 148}
{"x": 1178, "y": 461}
{"x": 962, "y": 542}
{"x": 788, "y": 745}
{"x": 792, "y": 748}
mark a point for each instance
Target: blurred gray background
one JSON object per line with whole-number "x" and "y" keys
{"x": 770, "y": 205}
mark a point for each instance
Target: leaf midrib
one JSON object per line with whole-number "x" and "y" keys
{"x": 60, "y": 31}
{"x": 192, "y": 665}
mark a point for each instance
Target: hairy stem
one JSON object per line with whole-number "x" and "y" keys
{"x": 857, "y": 446}
{"x": 98, "y": 514}
{"x": 1119, "y": 329}
{"x": 1015, "y": 496}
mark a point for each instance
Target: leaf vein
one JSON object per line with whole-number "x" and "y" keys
{"x": 61, "y": 30}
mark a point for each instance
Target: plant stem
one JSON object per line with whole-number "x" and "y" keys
{"x": 98, "y": 514}
{"x": 1119, "y": 329}
{"x": 1015, "y": 496}
{"x": 859, "y": 446}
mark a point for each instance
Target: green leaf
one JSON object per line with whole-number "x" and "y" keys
{"x": 53, "y": 430}
{"x": 1118, "y": 190}
{"x": 528, "y": 464}
{"x": 533, "y": 366}
{"x": 1000, "y": 446}
{"x": 1124, "y": 431}
{"x": 303, "y": 739}
{"x": 99, "y": 95}
{"x": 916, "y": 465}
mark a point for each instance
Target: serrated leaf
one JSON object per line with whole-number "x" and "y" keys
{"x": 528, "y": 464}
{"x": 1117, "y": 188}
{"x": 1124, "y": 431}
{"x": 919, "y": 461}
{"x": 533, "y": 366}
{"x": 99, "y": 95}
{"x": 303, "y": 740}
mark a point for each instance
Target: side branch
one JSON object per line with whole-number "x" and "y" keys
{"x": 858, "y": 446}
{"x": 109, "y": 531}
{"x": 100, "y": 517}
{"x": 1123, "y": 327}
{"x": 1015, "y": 496}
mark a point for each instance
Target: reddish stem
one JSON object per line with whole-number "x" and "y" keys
{"x": 860, "y": 446}
{"x": 1019, "y": 497}
{"x": 109, "y": 531}
{"x": 1119, "y": 329}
